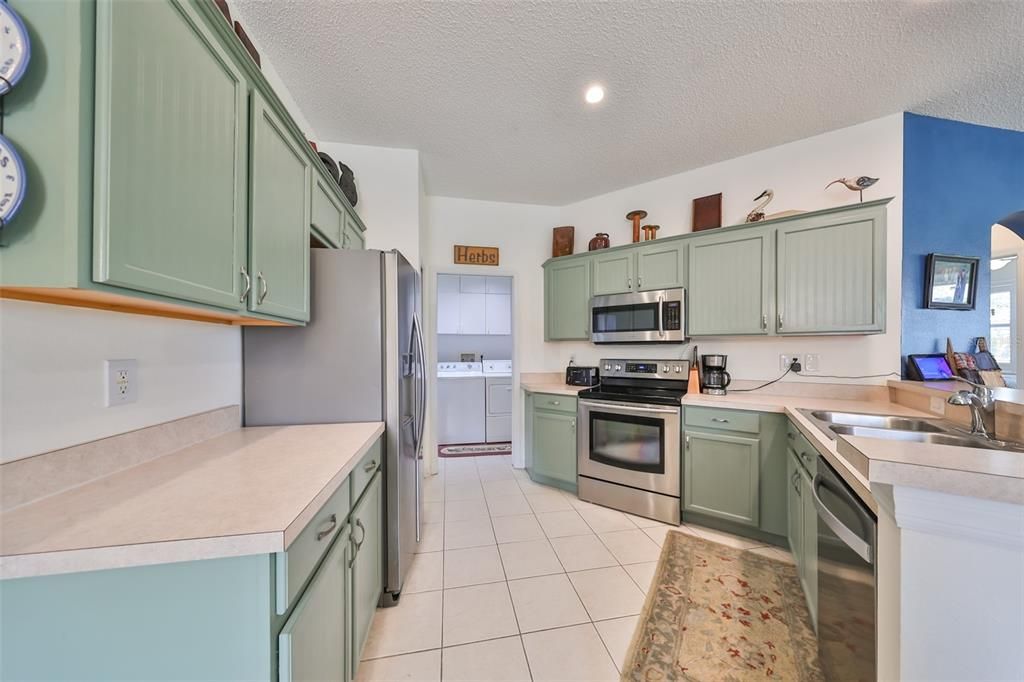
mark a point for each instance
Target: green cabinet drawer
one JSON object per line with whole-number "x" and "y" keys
{"x": 368, "y": 465}
{"x": 295, "y": 564}
{"x": 367, "y": 575}
{"x": 806, "y": 453}
{"x": 327, "y": 217}
{"x": 728, "y": 420}
{"x": 722, "y": 477}
{"x": 552, "y": 401}
{"x": 312, "y": 643}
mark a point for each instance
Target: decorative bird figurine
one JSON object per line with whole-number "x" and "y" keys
{"x": 857, "y": 185}
{"x": 757, "y": 214}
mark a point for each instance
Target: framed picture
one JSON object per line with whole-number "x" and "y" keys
{"x": 950, "y": 282}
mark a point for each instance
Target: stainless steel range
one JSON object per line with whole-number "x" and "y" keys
{"x": 628, "y": 448}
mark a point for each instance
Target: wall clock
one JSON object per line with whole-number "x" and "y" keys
{"x": 15, "y": 49}
{"x": 12, "y": 181}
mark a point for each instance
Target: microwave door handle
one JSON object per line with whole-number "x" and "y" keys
{"x": 661, "y": 315}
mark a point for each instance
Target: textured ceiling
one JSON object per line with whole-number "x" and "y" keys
{"x": 491, "y": 93}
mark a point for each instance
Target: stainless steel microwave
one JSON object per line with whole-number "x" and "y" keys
{"x": 639, "y": 317}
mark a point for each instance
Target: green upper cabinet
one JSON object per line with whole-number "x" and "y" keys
{"x": 279, "y": 217}
{"x": 730, "y": 283}
{"x": 613, "y": 272}
{"x": 661, "y": 265}
{"x": 567, "y": 300}
{"x": 353, "y": 237}
{"x": 327, "y": 216}
{"x": 831, "y": 274}
{"x": 170, "y": 156}
{"x": 721, "y": 476}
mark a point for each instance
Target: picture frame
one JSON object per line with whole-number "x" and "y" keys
{"x": 707, "y": 212}
{"x": 951, "y": 282}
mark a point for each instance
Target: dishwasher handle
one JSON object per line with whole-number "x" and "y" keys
{"x": 860, "y": 546}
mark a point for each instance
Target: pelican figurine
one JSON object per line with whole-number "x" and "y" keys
{"x": 855, "y": 184}
{"x": 757, "y": 213}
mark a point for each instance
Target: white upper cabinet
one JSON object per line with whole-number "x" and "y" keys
{"x": 474, "y": 304}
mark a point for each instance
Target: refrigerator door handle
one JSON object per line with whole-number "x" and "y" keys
{"x": 422, "y": 416}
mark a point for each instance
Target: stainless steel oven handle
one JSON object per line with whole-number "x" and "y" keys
{"x": 630, "y": 406}
{"x": 849, "y": 538}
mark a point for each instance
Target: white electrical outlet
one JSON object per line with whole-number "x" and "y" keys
{"x": 786, "y": 360}
{"x": 122, "y": 382}
{"x": 812, "y": 362}
{"x": 938, "y": 406}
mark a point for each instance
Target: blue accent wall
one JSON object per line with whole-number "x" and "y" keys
{"x": 958, "y": 180}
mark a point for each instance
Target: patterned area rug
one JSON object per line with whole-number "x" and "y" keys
{"x": 720, "y": 614}
{"x": 474, "y": 450}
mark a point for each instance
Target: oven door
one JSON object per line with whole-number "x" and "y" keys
{"x": 641, "y": 317}
{"x": 630, "y": 444}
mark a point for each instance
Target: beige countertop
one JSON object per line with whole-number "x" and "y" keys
{"x": 973, "y": 472}
{"x": 248, "y": 491}
{"x": 550, "y": 387}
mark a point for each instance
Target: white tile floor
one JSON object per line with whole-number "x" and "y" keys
{"x": 519, "y": 581}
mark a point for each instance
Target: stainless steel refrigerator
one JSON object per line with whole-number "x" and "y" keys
{"x": 360, "y": 358}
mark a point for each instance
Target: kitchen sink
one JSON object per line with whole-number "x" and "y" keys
{"x": 877, "y": 421}
{"x": 947, "y": 438}
{"x": 907, "y": 429}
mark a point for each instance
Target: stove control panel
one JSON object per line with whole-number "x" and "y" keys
{"x": 645, "y": 369}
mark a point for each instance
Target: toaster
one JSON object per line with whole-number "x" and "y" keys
{"x": 582, "y": 376}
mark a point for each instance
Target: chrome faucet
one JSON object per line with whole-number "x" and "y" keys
{"x": 981, "y": 402}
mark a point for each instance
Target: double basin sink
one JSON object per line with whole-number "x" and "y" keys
{"x": 907, "y": 429}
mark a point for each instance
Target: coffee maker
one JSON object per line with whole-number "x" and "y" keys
{"x": 714, "y": 378}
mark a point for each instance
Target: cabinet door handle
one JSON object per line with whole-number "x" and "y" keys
{"x": 572, "y": 424}
{"x": 248, "y": 285}
{"x": 780, "y": 320}
{"x": 264, "y": 289}
{"x": 789, "y": 435}
{"x": 764, "y": 321}
{"x": 687, "y": 442}
{"x": 370, "y": 466}
{"x": 555, "y": 402}
{"x": 796, "y": 483}
{"x": 629, "y": 282}
{"x": 356, "y": 546}
{"x": 639, "y": 281}
{"x": 719, "y": 420}
{"x": 333, "y": 520}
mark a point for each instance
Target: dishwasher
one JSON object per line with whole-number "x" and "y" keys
{"x": 847, "y": 532}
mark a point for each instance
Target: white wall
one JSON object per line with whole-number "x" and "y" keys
{"x": 798, "y": 173}
{"x": 52, "y": 373}
{"x": 388, "y": 181}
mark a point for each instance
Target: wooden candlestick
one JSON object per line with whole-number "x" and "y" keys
{"x": 650, "y": 232}
{"x": 636, "y": 217}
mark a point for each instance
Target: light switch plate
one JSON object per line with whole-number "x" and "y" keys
{"x": 812, "y": 362}
{"x": 938, "y": 406}
{"x": 122, "y": 382}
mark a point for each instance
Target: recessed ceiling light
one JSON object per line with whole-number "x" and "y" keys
{"x": 595, "y": 93}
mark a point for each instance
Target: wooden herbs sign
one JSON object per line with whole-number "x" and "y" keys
{"x": 476, "y": 255}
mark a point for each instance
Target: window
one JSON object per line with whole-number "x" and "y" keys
{"x": 1003, "y": 313}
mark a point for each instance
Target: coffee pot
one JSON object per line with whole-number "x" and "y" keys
{"x": 714, "y": 377}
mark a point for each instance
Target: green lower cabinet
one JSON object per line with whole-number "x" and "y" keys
{"x": 551, "y": 434}
{"x": 171, "y": 171}
{"x": 794, "y": 507}
{"x": 367, "y": 523}
{"x": 567, "y": 300}
{"x": 312, "y": 644}
{"x": 721, "y": 476}
{"x": 808, "y": 566}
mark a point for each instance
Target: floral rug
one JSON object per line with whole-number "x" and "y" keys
{"x": 722, "y": 614}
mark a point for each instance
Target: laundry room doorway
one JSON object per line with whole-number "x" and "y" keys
{"x": 474, "y": 341}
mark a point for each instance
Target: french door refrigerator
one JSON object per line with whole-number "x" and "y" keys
{"x": 360, "y": 358}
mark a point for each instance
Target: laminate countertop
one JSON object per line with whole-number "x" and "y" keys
{"x": 971, "y": 472}
{"x": 247, "y": 491}
{"x": 556, "y": 388}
